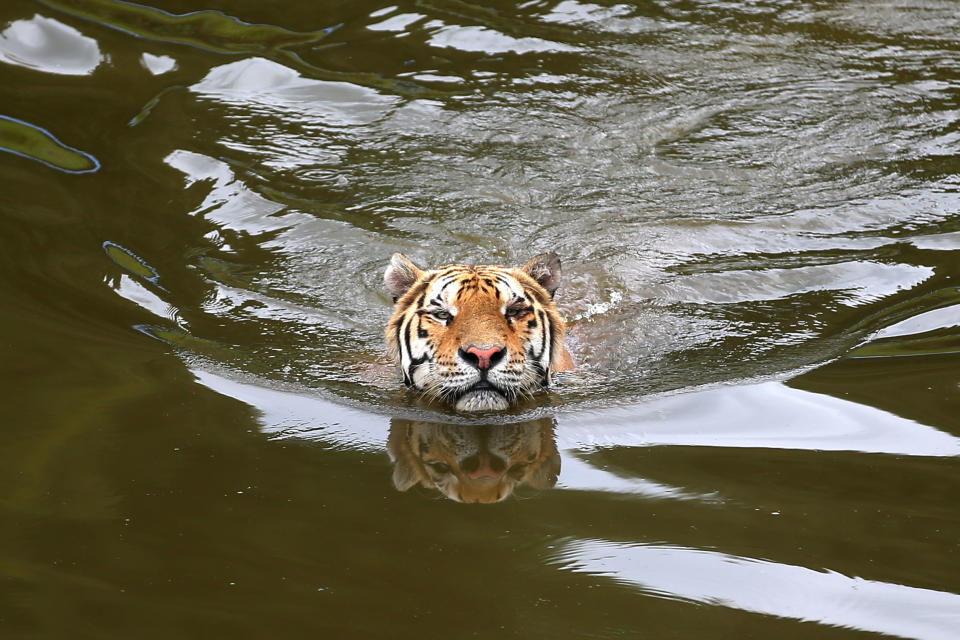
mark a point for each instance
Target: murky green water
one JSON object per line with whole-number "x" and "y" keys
{"x": 758, "y": 209}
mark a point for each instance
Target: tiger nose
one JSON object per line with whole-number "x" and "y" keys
{"x": 483, "y": 357}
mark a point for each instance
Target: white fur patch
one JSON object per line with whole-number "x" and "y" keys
{"x": 484, "y": 400}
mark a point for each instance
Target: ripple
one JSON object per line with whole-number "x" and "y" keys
{"x": 615, "y": 18}
{"x": 257, "y": 82}
{"x": 860, "y": 282}
{"x": 30, "y": 141}
{"x": 770, "y": 588}
{"x": 733, "y": 206}
{"x": 486, "y": 40}
{"x": 211, "y": 30}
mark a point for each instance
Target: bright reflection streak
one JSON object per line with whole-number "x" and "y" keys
{"x": 45, "y": 44}
{"x": 256, "y": 82}
{"x": 158, "y": 65}
{"x": 484, "y": 40}
{"x": 287, "y": 414}
{"x": 922, "y": 322}
{"x": 230, "y": 202}
{"x": 770, "y": 588}
{"x": 129, "y": 288}
{"x": 397, "y": 23}
{"x": 862, "y": 280}
{"x": 767, "y": 415}
{"x": 579, "y": 475}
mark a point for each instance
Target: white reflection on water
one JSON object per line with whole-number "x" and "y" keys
{"x": 45, "y": 44}
{"x": 861, "y": 281}
{"x": 578, "y": 474}
{"x": 128, "y": 288}
{"x": 484, "y": 40}
{"x": 158, "y": 65}
{"x": 613, "y": 18}
{"x": 765, "y": 415}
{"x": 260, "y": 82}
{"x": 396, "y": 23}
{"x": 770, "y": 588}
{"x": 286, "y": 414}
{"x": 230, "y": 202}
{"x": 938, "y": 242}
{"x": 769, "y": 415}
{"x": 921, "y": 323}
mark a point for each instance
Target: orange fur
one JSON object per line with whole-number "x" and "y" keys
{"x": 441, "y": 314}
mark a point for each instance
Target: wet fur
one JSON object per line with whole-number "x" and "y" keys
{"x": 439, "y": 313}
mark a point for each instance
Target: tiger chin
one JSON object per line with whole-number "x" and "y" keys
{"x": 478, "y": 337}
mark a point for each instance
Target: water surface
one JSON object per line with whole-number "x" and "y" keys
{"x": 758, "y": 209}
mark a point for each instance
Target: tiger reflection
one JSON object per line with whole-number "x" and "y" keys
{"x": 469, "y": 463}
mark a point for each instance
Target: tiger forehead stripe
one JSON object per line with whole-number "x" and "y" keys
{"x": 503, "y": 286}
{"x": 507, "y": 314}
{"x": 440, "y": 284}
{"x": 490, "y": 275}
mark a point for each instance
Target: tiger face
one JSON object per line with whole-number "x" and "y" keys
{"x": 477, "y": 337}
{"x": 473, "y": 463}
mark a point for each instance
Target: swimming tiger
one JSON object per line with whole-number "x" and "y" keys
{"x": 470, "y": 463}
{"x": 476, "y": 336}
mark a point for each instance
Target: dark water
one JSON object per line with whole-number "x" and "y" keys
{"x": 758, "y": 209}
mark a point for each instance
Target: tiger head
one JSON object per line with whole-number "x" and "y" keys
{"x": 478, "y": 337}
{"x": 469, "y": 463}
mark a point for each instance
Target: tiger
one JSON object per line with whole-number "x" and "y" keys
{"x": 474, "y": 464}
{"x": 478, "y": 337}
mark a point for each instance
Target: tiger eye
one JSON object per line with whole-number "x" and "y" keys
{"x": 516, "y": 471}
{"x": 430, "y": 358}
{"x": 439, "y": 467}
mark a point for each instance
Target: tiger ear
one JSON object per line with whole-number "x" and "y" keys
{"x": 545, "y": 269}
{"x": 546, "y": 474}
{"x": 400, "y": 275}
{"x": 546, "y": 469}
{"x": 407, "y": 470}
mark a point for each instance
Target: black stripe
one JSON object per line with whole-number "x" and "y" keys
{"x": 421, "y": 332}
{"x": 447, "y": 284}
{"x": 405, "y": 342}
{"x": 542, "y": 299}
{"x": 537, "y": 367}
{"x": 503, "y": 280}
{"x": 408, "y": 374}
{"x": 543, "y": 334}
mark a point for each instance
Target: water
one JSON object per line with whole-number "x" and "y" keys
{"x": 758, "y": 210}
